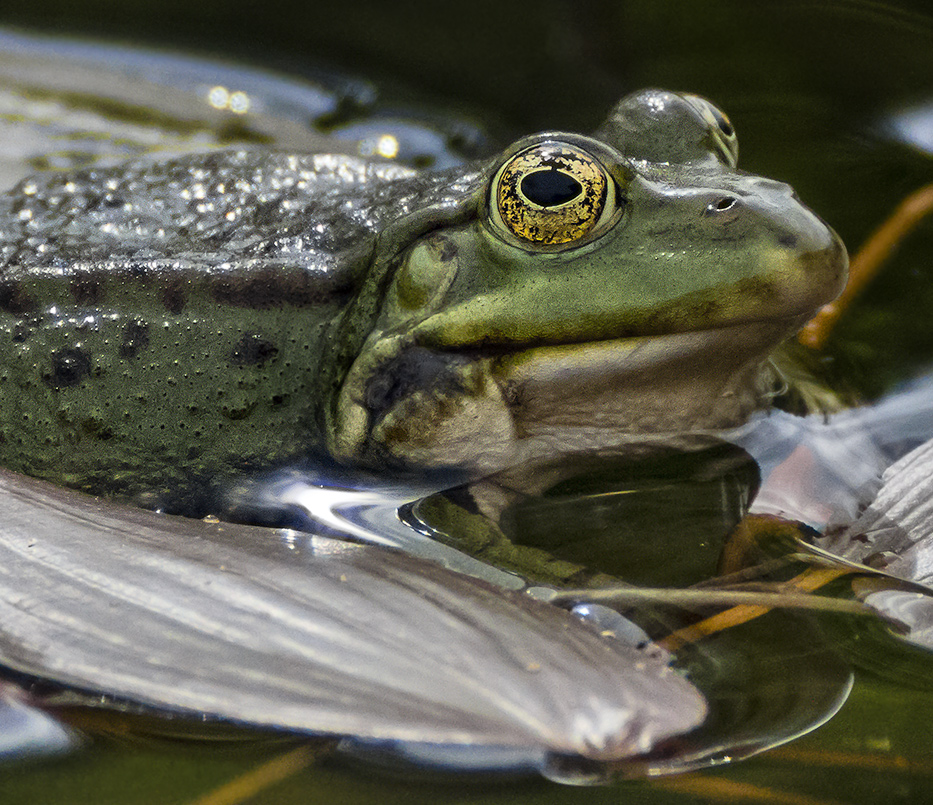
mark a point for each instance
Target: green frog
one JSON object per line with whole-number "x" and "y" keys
{"x": 171, "y": 322}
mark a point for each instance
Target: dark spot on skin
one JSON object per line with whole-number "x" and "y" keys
{"x": 446, "y": 248}
{"x": 25, "y": 328}
{"x": 251, "y": 350}
{"x": 14, "y": 300}
{"x": 399, "y": 433}
{"x": 235, "y": 131}
{"x": 174, "y": 297}
{"x": 236, "y": 412}
{"x": 69, "y": 367}
{"x": 514, "y": 395}
{"x": 86, "y": 290}
{"x": 415, "y": 369}
{"x": 759, "y": 289}
{"x": 878, "y": 560}
{"x": 95, "y": 429}
{"x": 135, "y": 338}
{"x": 788, "y": 240}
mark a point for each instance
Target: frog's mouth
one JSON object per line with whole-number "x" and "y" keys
{"x": 473, "y": 385}
{"x": 481, "y": 409}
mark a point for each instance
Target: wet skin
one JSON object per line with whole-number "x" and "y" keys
{"x": 170, "y": 323}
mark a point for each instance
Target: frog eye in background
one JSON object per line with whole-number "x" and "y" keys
{"x": 552, "y": 195}
{"x": 721, "y": 129}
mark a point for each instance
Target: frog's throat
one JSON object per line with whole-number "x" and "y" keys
{"x": 416, "y": 408}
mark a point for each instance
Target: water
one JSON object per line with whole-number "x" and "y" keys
{"x": 811, "y": 89}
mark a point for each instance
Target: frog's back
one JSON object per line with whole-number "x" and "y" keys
{"x": 173, "y": 314}
{"x": 225, "y": 213}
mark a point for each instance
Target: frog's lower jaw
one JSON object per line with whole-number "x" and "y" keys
{"x": 418, "y": 408}
{"x": 415, "y": 408}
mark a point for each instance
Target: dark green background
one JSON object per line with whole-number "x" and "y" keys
{"x": 806, "y": 84}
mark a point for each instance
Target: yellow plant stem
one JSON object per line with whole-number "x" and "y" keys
{"x": 717, "y": 789}
{"x": 811, "y": 579}
{"x": 866, "y": 264}
{"x": 247, "y": 785}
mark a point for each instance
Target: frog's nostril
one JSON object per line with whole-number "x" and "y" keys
{"x": 723, "y": 204}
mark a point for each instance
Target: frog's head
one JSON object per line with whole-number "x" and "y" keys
{"x": 592, "y": 288}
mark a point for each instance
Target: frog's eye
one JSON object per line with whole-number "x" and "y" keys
{"x": 552, "y": 196}
{"x": 721, "y": 129}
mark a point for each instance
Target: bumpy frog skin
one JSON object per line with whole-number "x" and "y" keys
{"x": 174, "y": 321}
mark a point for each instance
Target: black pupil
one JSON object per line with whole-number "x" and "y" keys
{"x": 548, "y": 188}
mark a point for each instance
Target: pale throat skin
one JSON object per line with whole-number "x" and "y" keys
{"x": 168, "y": 323}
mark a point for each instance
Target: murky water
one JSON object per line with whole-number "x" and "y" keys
{"x": 831, "y": 97}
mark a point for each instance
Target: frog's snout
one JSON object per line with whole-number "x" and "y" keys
{"x": 806, "y": 243}
{"x": 764, "y": 209}
{"x": 829, "y": 264}
{"x": 814, "y": 245}
{"x": 797, "y": 252}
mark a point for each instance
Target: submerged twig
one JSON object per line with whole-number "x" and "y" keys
{"x": 627, "y": 596}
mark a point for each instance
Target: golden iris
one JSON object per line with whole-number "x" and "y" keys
{"x": 551, "y": 194}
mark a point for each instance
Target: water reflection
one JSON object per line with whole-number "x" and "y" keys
{"x": 367, "y": 509}
{"x": 822, "y": 470}
{"x": 26, "y": 730}
{"x": 912, "y": 126}
{"x": 220, "y": 97}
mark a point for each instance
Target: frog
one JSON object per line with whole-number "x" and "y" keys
{"x": 170, "y": 323}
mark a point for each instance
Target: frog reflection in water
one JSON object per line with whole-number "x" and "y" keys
{"x": 176, "y": 320}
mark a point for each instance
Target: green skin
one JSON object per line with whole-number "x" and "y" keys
{"x": 166, "y": 325}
